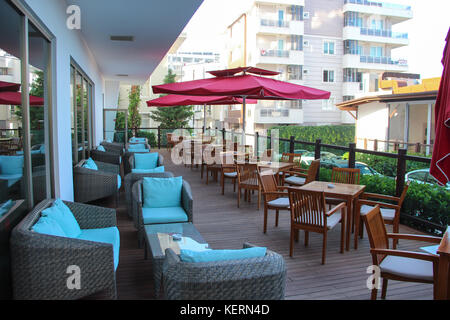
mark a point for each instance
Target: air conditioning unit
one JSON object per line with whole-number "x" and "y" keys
{"x": 306, "y": 43}
{"x": 305, "y": 71}
{"x": 305, "y": 15}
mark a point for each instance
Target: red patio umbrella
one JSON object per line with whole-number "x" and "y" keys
{"x": 245, "y": 86}
{"x": 440, "y": 161}
{"x": 173, "y": 100}
{"x": 15, "y": 98}
{"x": 9, "y": 86}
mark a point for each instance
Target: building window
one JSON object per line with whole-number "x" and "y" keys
{"x": 296, "y": 42}
{"x": 348, "y": 98}
{"x": 296, "y": 104}
{"x": 328, "y": 105}
{"x": 297, "y": 13}
{"x": 4, "y": 71}
{"x": 295, "y": 72}
{"x": 352, "y": 47}
{"x": 352, "y": 75}
{"x": 328, "y": 76}
{"x": 328, "y": 47}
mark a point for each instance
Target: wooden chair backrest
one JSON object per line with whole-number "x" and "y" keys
{"x": 247, "y": 173}
{"x": 376, "y": 230}
{"x": 307, "y": 207}
{"x": 268, "y": 184}
{"x": 312, "y": 171}
{"x": 291, "y": 157}
{"x": 403, "y": 195}
{"x": 345, "y": 175}
{"x": 228, "y": 160}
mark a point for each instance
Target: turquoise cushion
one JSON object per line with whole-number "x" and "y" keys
{"x": 162, "y": 192}
{"x": 134, "y": 139}
{"x": 42, "y": 149}
{"x": 146, "y": 160}
{"x": 137, "y": 146}
{"x": 106, "y": 235}
{"x": 156, "y": 170}
{"x": 119, "y": 181}
{"x": 90, "y": 164}
{"x": 6, "y": 206}
{"x": 217, "y": 255}
{"x": 65, "y": 218}
{"x": 11, "y": 164}
{"x": 47, "y": 225}
{"x": 101, "y": 148}
{"x": 164, "y": 215}
{"x": 12, "y": 178}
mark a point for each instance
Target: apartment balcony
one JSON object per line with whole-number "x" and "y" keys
{"x": 268, "y": 26}
{"x": 374, "y": 63}
{"x": 278, "y": 115}
{"x": 280, "y": 57}
{"x": 396, "y": 39}
{"x": 283, "y": 2}
{"x": 234, "y": 116}
{"x": 396, "y": 12}
{"x": 351, "y": 88}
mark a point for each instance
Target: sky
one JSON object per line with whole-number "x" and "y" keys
{"x": 427, "y": 31}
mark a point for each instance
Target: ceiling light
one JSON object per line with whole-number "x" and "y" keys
{"x": 122, "y": 38}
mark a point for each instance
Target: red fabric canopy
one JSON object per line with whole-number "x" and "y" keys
{"x": 232, "y": 72}
{"x": 15, "y": 98}
{"x": 180, "y": 100}
{"x": 8, "y": 86}
{"x": 249, "y": 86}
{"x": 440, "y": 162}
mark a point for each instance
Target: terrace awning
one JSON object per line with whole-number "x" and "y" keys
{"x": 15, "y": 98}
{"x": 440, "y": 162}
{"x": 9, "y": 86}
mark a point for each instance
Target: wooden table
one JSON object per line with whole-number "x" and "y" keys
{"x": 344, "y": 191}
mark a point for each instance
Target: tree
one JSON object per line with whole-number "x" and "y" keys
{"x": 172, "y": 117}
{"x": 36, "y": 112}
{"x": 134, "y": 118}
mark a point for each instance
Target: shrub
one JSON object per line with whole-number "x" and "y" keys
{"x": 151, "y": 137}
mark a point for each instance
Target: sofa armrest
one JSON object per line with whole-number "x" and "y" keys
{"x": 92, "y": 217}
{"x": 105, "y": 156}
{"x": 108, "y": 167}
{"x": 187, "y": 201}
{"x": 160, "y": 160}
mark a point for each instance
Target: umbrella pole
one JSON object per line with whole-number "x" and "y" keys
{"x": 204, "y": 117}
{"x": 243, "y": 120}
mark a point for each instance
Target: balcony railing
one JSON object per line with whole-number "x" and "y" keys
{"x": 383, "y": 33}
{"x": 379, "y": 4}
{"x": 382, "y": 60}
{"x": 275, "y": 53}
{"x": 274, "y": 23}
{"x": 267, "y": 113}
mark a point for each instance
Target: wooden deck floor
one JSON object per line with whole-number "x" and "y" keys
{"x": 223, "y": 225}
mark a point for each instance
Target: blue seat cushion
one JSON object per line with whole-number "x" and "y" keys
{"x": 156, "y": 170}
{"x": 134, "y": 139}
{"x": 47, "y": 225}
{"x": 12, "y": 178}
{"x": 164, "y": 215}
{"x": 119, "y": 181}
{"x": 137, "y": 146}
{"x": 6, "y": 206}
{"x": 162, "y": 192}
{"x": 146, "y": 160}
{"x": 61, "y": 213}
{"x": 11, "y": 165}
{"x": 105, "y": 235}
{"x": 90, "y": 164}
{"x": 101, "y": 148}
{"x": 218, "y": 255}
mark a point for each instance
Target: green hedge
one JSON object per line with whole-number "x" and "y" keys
{"x": 427, "y": 202}
{"x": 340, "y": 135}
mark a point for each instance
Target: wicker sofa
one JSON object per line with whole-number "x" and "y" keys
{"x": 40, "y": 262}
{"x": 115, "y": 147}
{"x": 90, "y": 185}
{"x": 261, "y": 278}
{"x": 129, "y": 164}
{"x": 187, "y": 203}
{"x": 129, "y": 180}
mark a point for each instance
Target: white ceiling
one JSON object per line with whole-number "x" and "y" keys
{"x": 154, "y": 24}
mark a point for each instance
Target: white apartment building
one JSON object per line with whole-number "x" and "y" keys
{"x": 342, "y": 46}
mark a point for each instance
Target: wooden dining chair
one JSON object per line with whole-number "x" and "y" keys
{"x": 213, "y": 168}
{"x": 170, "y": 142}
{"x": 248, "y": 181}
{"x": 228, "y": 171}
{"x": 273, "y": 196}
{"x": 390, "y": 211}
{"x": 394, "y": 264}
{"x": 308, "y": 213}
{"x": 345, "y": 175}
{"x": 298, "y": 176}
{"x": 290, "y": 158}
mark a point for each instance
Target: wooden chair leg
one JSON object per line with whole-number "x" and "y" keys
{"x": 222, "y": 182}
{"x": 357, "y": 229}
{"x": 259, "y": 202}
{"x": 373, "y": 295}
{"x": 296, "y": 235}
{"x": 395, "y": 228}
{"x": 291, "y": 246}
{"x": 265, "y": 218}
{"x": 384, "y": 288}
{"x": 306, "y": 238}
{"x": 207, "y": 175}
{"x": 239, "y": 196}
{"x": 276, "y": 217}
{"x": 234, "y": 185}
{"x": 324, "y": 247}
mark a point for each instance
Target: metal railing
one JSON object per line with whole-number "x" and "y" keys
{"x": 383, "y": 33}
{"x": 275, "y": 53}
{"x": 382, "y": 60}
{"x": 274, "y": 23}
{"x": 379, "y": 4}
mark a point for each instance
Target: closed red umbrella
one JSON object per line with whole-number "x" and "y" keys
{"x": 245, "y": 86}
{"x": 15, "y": 98}
{"x": 173, "y": 100}
{"x": 440, "y": 162}
{"x": 9, "y": 86}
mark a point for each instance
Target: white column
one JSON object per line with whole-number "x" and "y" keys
{"x": 430, "y": 108}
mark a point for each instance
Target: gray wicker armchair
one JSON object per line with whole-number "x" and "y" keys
{"x": 261, "y": 278}
{"x": 129, "y": 180}
{"x": 129, "y": 165}
{"x": 112, "y": 157}
{"x": 90, "y": 185}
{"x": 115, "y": 147}
{"x": 187, "y": 203}
{"x": 40, "y": 262}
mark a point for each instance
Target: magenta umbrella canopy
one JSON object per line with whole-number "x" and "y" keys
{"x": 15, "y": 98}
{"x": 440, "y": 162}
{"x": 8, "y": 86}
{"x": 180, "y": 100}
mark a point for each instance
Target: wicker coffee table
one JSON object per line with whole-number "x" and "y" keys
{"x": 157, "y": 239}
